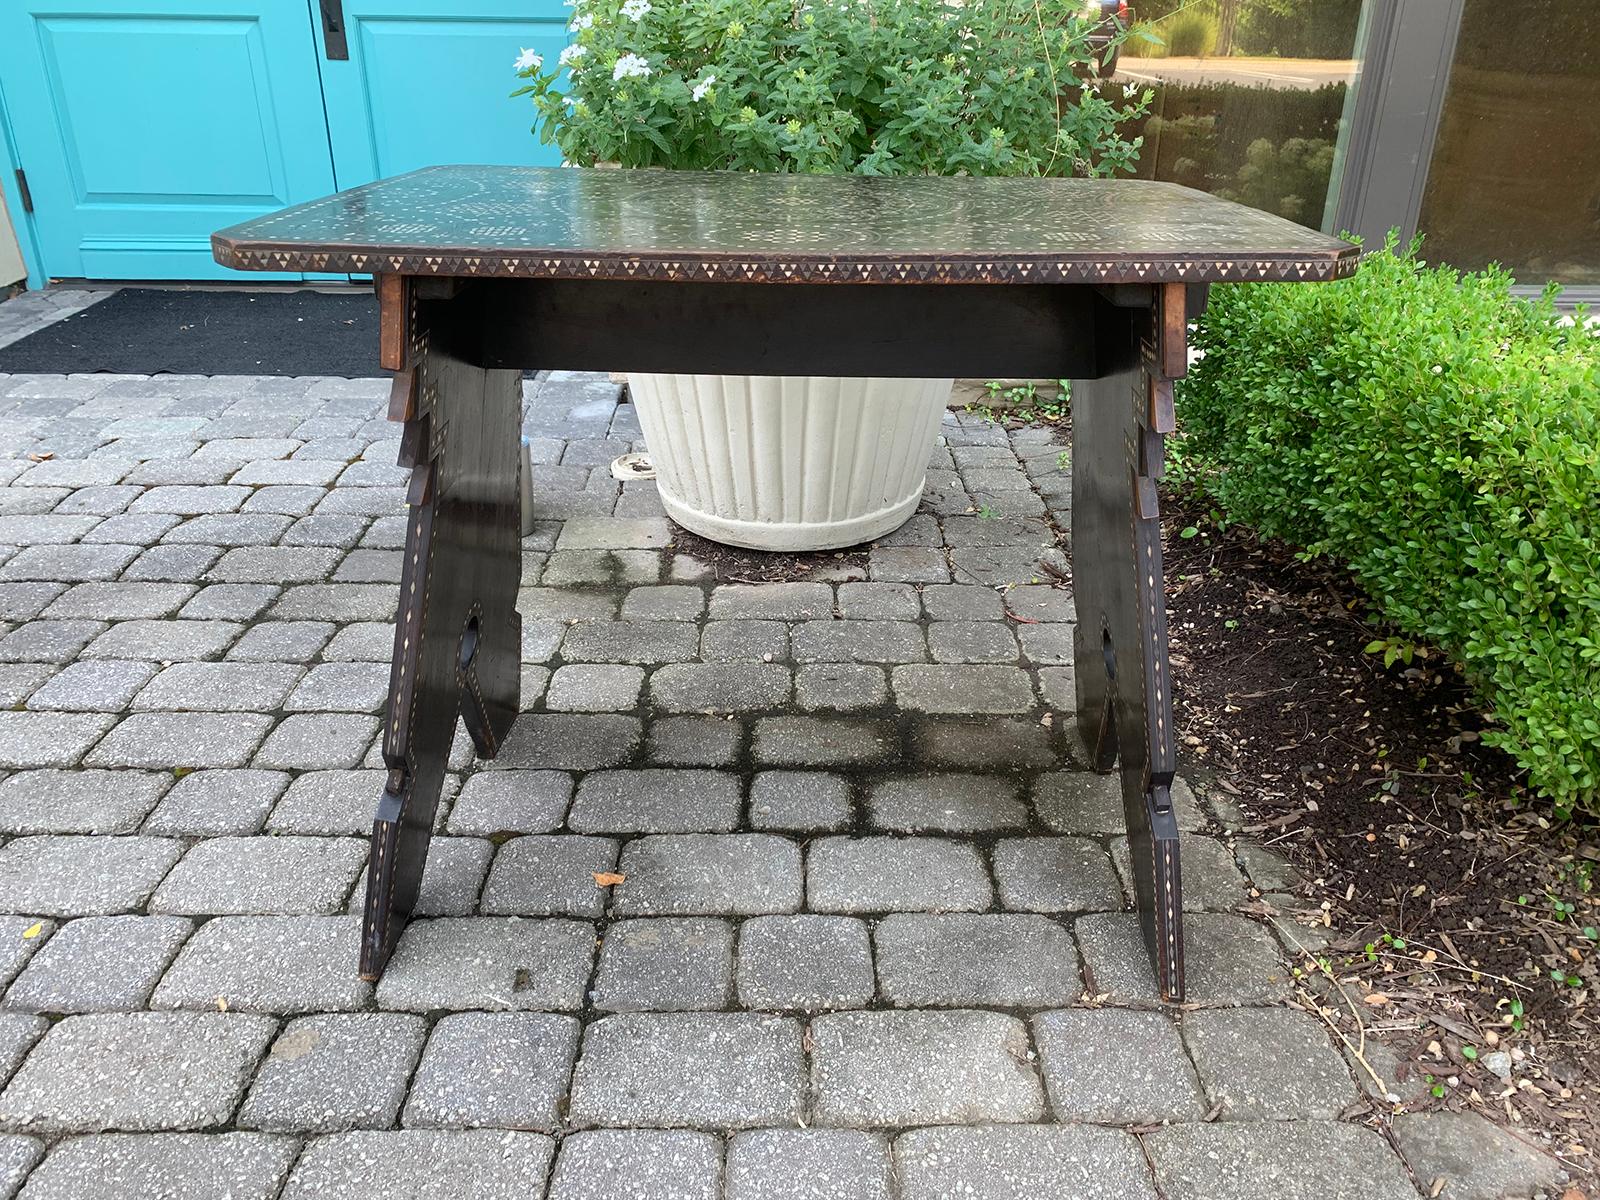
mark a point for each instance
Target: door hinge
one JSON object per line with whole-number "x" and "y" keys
{"x": 333, "y": 37}
{"x": 22, "y": 190}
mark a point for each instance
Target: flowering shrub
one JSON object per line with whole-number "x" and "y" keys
{"x": 876, "y": 87}
{"x": 1441, "y": 437}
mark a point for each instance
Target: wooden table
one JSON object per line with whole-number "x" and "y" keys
{"x": 484, "y": 271}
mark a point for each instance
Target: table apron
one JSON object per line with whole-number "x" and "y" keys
{"x": 890, "y": 330}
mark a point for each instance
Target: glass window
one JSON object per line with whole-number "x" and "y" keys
{"x": 1515, "y": 173}
{"x": 1250, "y": 97}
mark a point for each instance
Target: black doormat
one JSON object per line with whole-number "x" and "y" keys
{"x": 151, "y": 331}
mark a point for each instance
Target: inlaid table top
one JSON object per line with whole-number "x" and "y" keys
{"x": 567, "y": 223}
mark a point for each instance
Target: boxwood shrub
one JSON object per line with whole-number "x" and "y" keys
{"x": 1441, "y": 437}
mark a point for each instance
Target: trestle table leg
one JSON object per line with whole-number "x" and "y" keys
{"x": 1124, "y": 693}
{"x": 457, "y": 646}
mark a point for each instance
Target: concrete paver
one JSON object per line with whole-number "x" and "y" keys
{"x": 865, "y": 890}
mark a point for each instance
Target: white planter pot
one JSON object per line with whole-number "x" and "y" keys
{"x": 777, "y": 462}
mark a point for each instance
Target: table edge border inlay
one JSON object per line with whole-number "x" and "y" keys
{"x": 704, "y": 267}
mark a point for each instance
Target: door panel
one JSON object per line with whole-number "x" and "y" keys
{"x": 422, "y": 88}
{"x": 143, "y": 132}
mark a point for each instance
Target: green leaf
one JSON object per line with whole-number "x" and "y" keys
{"x": 1465, "y": 511}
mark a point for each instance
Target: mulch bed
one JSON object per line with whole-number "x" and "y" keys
{"x": 1458, "y": 919}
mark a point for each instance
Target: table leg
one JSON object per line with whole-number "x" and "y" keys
{"x": 1120, "y": 651}
{"x": 457, "y": 646}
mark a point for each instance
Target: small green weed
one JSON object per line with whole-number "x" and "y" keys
{"x": 1024, "y": 402}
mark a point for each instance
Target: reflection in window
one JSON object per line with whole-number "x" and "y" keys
{"x": 1249, "y": 97}
{"x": 1515, "y": 174}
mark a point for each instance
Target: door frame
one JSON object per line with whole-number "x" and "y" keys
{"x": 1406, "y": 56}
{"x": 21, "y": 220}
{"x": 1405, "y": 73}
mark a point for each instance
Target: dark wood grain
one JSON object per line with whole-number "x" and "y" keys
{"x": 1120, "y": 641}
{"x": 457, "y": 648}
{"x": 680, "y": 226}
{"x": 395, "y": 320}
{"x": 757, "y": 329}
{"x": 1172, "y": 320}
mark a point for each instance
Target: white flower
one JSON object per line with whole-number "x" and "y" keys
{"x": 581, "y": 21}
{"x": 630, "y": 65}
{"x": 529, "y": 60}
{"x": 1130, "y": 90}
{"x": 1438, "y": 370}
{"x": 635, "y": 9}
{"x": 701, "y": 88}
{"x": 572, "y": 54}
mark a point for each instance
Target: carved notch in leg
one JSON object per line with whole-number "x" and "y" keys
{"x": 457, "y": 634}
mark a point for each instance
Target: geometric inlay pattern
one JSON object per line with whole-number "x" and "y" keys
{"x": 575, "y": 223}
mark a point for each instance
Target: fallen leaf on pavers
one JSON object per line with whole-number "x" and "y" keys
{"x": 297, "y": 1043}
{"x": 607, "y": 878}
{"x": 222, "y": 1004}
{"x": 45, "y": 457}
{"x": 33, "y": 931}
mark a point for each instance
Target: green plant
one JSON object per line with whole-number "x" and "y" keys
{"x": 874, "y": 87}
{"x": 1373, "y": 949}
{"x": 1516, "y": 1014}
{"x": 1266, "y": 147}
{"x": 1027, "y": 403}
{"x": 1441, "y": 437}
{"x": 1396, "y": 650}
{"x": 1190, "y": 34}
{"x": 1291, "y": 28}
{"x": 1289, "y": 179}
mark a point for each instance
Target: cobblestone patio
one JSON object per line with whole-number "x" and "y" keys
{"x": 873, "y": 940}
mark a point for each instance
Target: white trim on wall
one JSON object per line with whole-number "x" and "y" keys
{"x": 12, "y": 268}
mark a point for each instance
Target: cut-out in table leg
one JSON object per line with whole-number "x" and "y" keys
{"x": 457, "y": 649}
{"x": 1120, "y": 647}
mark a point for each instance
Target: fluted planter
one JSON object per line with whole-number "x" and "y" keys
{"x": 789, "y": 462}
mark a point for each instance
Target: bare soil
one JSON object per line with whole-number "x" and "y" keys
{"x": 1445, "y": 913}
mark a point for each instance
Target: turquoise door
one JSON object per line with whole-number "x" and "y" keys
{"x": 428, "y": 82}
{"x": 142, "y": 127}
